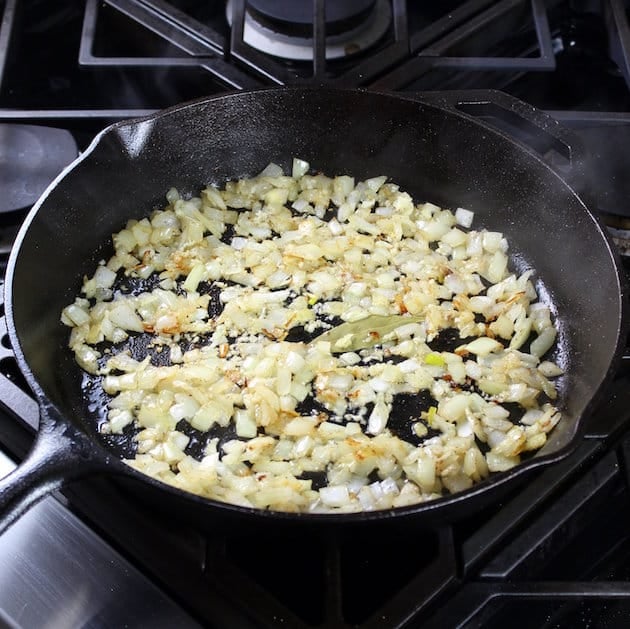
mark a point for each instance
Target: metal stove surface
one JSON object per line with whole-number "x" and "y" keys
{"x": 555, "y": 555}
{"x": 52, "y": 557}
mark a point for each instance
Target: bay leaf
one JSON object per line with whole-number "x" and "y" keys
{"x": 352, "y": 336}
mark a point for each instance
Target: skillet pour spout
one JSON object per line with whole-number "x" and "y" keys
{"x": 427, "y": 144}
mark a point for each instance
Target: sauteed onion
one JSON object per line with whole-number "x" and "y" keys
{"x": 316, "y": 344}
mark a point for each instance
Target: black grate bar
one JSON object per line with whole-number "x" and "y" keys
{"x": 192, "y": 37}
{"x": 577, "y": 119}
{"x": 530, "y": 498}
{"x": 625, "y": 461}
{"x": 333, "y": 601}
{"x": 612, "y": 415}
{"x": 546, "y": 56}
{"x": 6, "y": 30}
{"x": 554, "y": 518}
{"x": 617, "y": 22}
{"x": 87, "y": 57}
{"x": 417, "y": 67}
{"x": 165, "y": 20}
{"x": 396, "y": 52}
{"x": 230, "y": 581}
{"x": 574, "y": 119}
{"x": 424, "y": 588}
{"x": 250, "y": 57}
{"x": 611, "y": 418}
{"x": 399, "y": 18}
{"x": 561, "y": 589}
{"x": 319, "y": 39}
{"x": 8, "y": 115}
{"x": 446, "y": 24}
{"x": 481, "y": 21}
{"x": 465, "y": 606}
{"x": 16, "y": 435}
{"x": 435, "y": 56}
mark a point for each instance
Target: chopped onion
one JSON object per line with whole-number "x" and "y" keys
{"x": 543, "y": 342}
{"x": 464, "y": 217}
{"x": 251, "y": 284}
{"x": 378, "y": 418}
{"x": 375, "y": 183}
{"x": 245, "y": 425}
{"x": 104, "y": 278}
{"x": 124, "y": 317}
{"x": 482, "y": 346}
{"x": 271, "y": 170}
{"x": 300, "y": 167}
{"x": 334, "y": 496}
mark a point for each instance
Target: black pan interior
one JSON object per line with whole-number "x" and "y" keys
{"x": 435, "y": 154}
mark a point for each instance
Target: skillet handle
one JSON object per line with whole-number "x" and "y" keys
{"x": 558, "y": 146}
{"x": 60, "y": 453}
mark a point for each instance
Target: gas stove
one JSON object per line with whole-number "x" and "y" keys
{"x": 554, "y": 554}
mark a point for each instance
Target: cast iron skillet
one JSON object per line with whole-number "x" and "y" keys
{"x": 426, "y": 145}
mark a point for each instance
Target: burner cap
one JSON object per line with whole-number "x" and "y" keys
{"x": 284, "y": 28}
{"x": 295, "y": 17}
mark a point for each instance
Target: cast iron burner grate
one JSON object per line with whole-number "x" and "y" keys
{"x": 427, "y": 47}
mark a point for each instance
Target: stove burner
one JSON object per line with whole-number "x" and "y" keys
{"x": 296, "y": 18}
{"x": 285, "y": 29}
